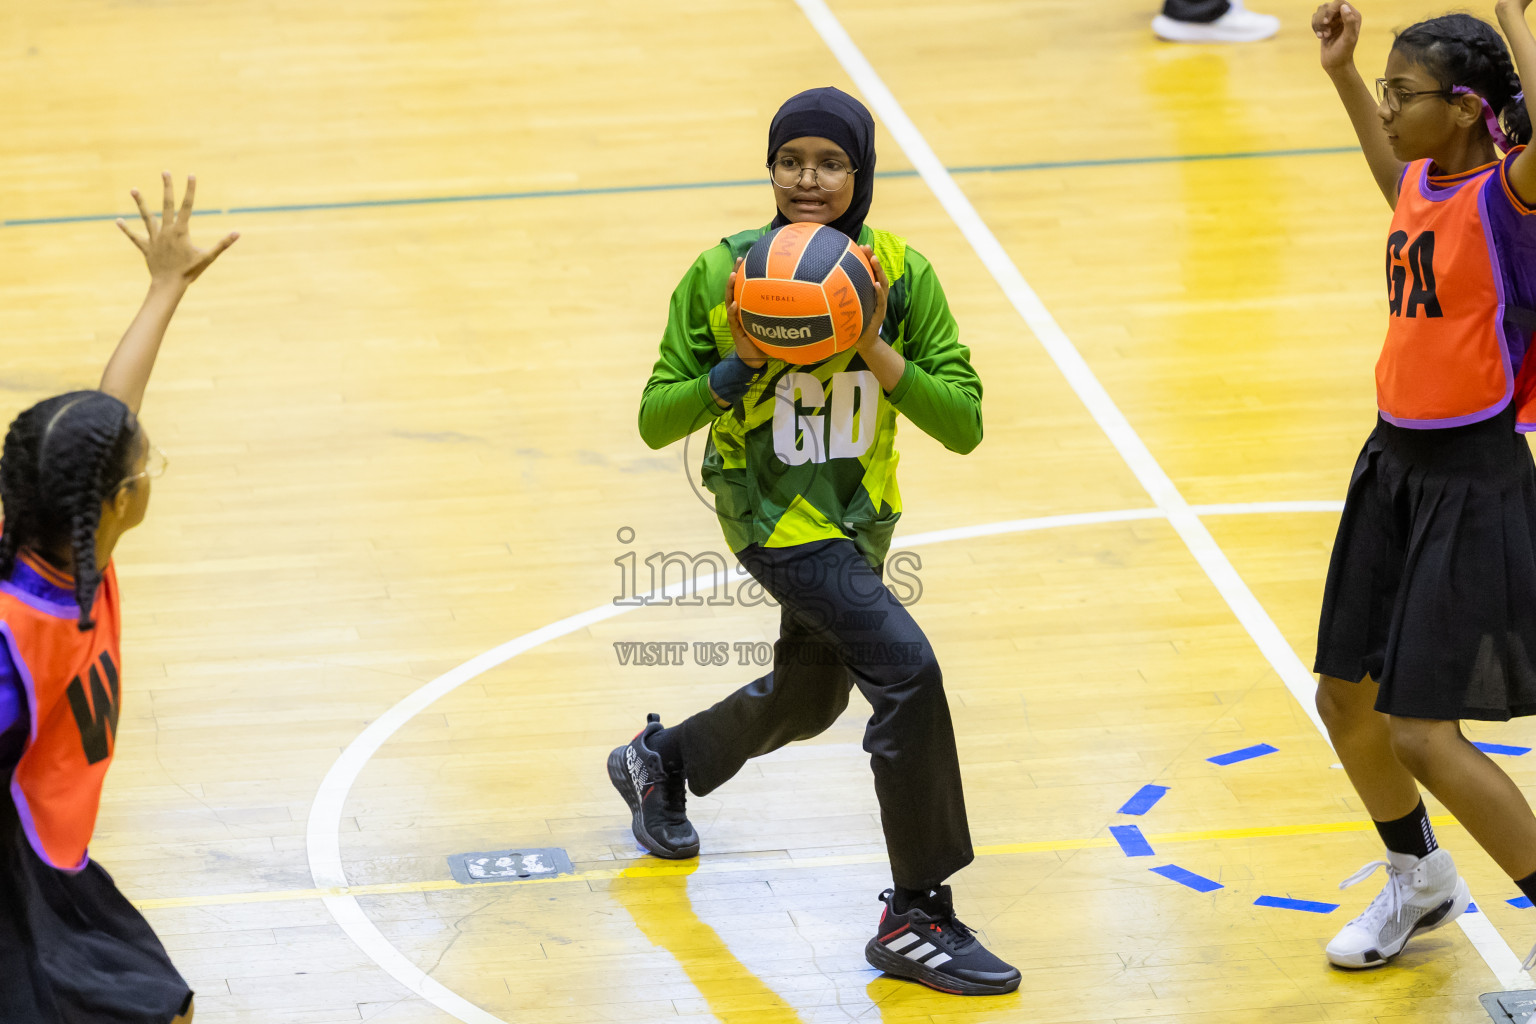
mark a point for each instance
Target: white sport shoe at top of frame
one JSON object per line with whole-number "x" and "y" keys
{"x": 1238, "y": 25}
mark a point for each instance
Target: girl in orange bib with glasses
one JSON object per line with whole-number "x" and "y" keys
{"x": 74, "y": 476}
{"x": 1429, "y": 614}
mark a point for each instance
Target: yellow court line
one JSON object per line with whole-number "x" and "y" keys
{"x": 663, "y": 869}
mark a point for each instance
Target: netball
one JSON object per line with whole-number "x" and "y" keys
{"x": 805, "y": 292}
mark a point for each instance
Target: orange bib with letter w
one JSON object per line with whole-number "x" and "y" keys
{"x": 73, "y": 691}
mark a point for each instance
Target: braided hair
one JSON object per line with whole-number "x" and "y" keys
{"x": 1459, "y": 49}
{"x": 62, "y": 458}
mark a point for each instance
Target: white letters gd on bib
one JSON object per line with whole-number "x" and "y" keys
{"x": 815, "y": 436}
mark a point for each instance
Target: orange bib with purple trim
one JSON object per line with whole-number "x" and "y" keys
{"x": 1444, "y": 363}
{"x": 73, "y": 692}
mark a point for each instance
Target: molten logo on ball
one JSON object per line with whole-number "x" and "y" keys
{"x": 805, "y": 292}
{"x": 781, "y": 333}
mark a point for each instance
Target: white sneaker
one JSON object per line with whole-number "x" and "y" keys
{"x": 1421, "y": 895}
{"x": 1238, "y": 25}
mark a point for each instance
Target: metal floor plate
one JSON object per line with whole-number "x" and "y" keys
{"x": 503, "y": 865}
{"x": 1511, "y": 1007}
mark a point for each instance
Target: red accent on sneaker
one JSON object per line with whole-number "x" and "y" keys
{"x": 892, "y": 935}
{"x": 648, "y": 791}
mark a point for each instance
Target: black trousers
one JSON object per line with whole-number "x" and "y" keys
{"x": 1202, "y": 11}
{"x": 840, "y": 627}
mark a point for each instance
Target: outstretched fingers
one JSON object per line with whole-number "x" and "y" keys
{"x": 168, "y": 247}
{"x": 205, "y": 257}
{"x": 219, "y": 246}
{"x": 149, "y": 222}
{"x": 185, "y": 215}
{"x": 142, "y": 243}
{"x": 168, "y": 200}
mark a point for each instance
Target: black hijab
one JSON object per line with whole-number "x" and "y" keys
{"x": 830, "y": 113}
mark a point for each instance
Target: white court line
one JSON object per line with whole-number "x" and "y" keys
{"x": 1297, "y": 678}
{"x": 323, "y": 832}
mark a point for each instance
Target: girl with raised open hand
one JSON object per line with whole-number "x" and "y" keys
{"x": 1429, "y": 614}
{"x": 74, "y": 476}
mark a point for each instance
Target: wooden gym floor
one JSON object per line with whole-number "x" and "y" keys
{"x": 401, "y": 422}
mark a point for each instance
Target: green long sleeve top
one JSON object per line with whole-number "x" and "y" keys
{"x": 809, "y": 452}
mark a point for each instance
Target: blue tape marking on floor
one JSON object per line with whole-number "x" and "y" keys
{"x": 561, "y": 193}
{"x": 1131, "y": 840}
{"x": 1199, "y": 883}
{"x": 1145, "y": 797}
{"x": 1472, "y": 909}
{"x": 1520, "y": 902}
{"x": 1246, "y": 754}
{"x": 1500, "y": 748}
{"x": 1284, "y": 904}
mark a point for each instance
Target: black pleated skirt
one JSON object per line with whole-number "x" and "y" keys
{"x": 73, "y": 950}
{"x": 1432, "y": 586}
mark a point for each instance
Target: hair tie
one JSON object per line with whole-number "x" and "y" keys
{"x": 1489, "y": 117}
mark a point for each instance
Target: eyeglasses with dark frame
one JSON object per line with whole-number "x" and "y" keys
{"x": 1394, "y": 97}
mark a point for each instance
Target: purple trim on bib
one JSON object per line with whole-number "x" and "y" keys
{"x": 1454, "y": 421}
{"x": 1445, "y": 192}
{"x": 33, "y": 589}
{"x": 25, "y": 673}
{"x": 1496, "y": 265}
{"x": 62, "y": 611}
{"x": 29, "y": 826}
{"x": 13, "y": 698}
{"x": 23, "y": 809}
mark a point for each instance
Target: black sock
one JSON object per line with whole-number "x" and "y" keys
{"x": 1410, "y": 834}
{"x": 903, "y": 900}
{"x": 1528, "y": 886}
{"x": 669, "y": 744}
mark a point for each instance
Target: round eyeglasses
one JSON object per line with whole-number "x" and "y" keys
{"x": 155, "y": 465}
{"x": 829, "y": 175}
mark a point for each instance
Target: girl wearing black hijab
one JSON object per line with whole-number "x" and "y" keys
{"x": 802, "y": 464}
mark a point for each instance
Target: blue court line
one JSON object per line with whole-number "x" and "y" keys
{"x": 1285, "y": 904}
{"x": 1136, "y": 161}
{"x": 1199, "y": 883}
{"x": 1145, "y": 797}
{"x": 1499, "y": 748}
{"x": 1520, "y": 902}
{"x": 1131, "y": 840}
{"x": 1246, "y": 754}
{"x": 566, "y": 193}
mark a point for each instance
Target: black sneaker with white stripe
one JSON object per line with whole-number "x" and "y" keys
{"x": 929, "y": 945}
{"x": 657, "y": 800}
